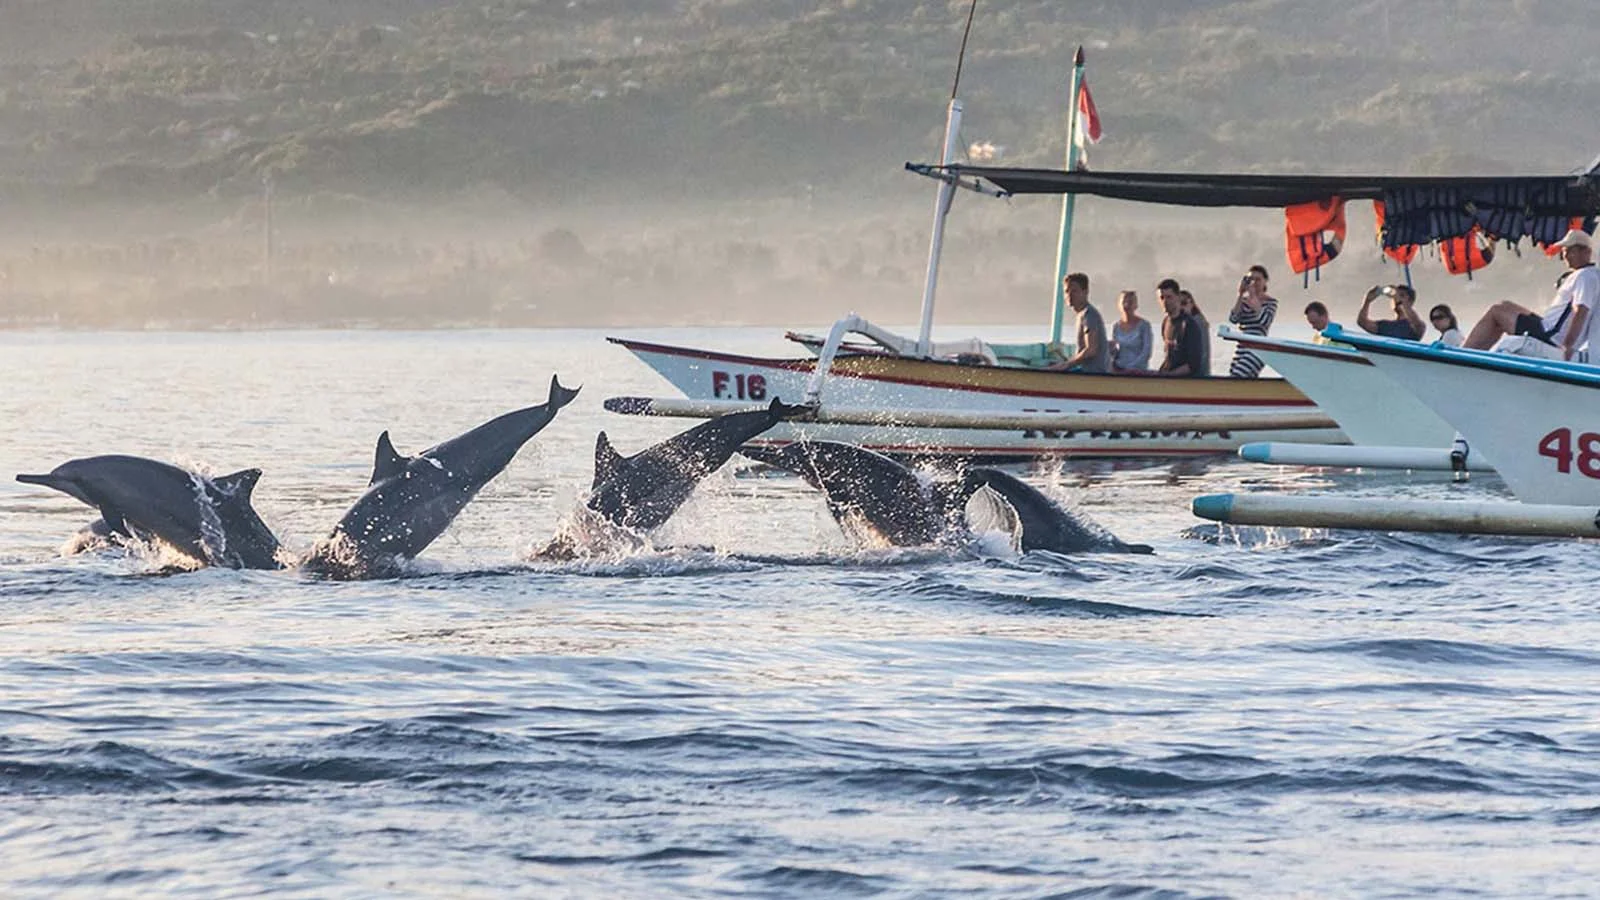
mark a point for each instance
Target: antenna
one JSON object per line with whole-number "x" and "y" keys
{"x": 962, "y": 54}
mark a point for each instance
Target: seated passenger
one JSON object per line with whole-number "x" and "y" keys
{"x": 1131, "y": 342}
{"x": 1093, "y": 353}
{"x": 1406, "y": 324}
{"x": 1192, "y": 309}
{"x": 1317, "y": 318}
{"x": 1565, "y": 325}
{"x": 1445, "y": 320}
{"x": 1185, "y": 352}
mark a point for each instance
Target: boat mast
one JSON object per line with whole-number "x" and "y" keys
{"x": 1068, "y": 201}
{"x": 947, "y": 190}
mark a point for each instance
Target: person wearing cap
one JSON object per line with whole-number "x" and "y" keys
{"x": 1566, "y": 325}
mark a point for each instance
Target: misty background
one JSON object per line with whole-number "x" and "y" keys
{"x": 722, "y": 162}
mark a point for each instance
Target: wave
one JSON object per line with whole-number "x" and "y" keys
{"x": 927, "y": 588}
{"x": 102, "y": 767}
{"x": 1432, "y": 650}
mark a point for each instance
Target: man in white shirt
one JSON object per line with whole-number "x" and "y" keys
{"x": 1567, "y": 324}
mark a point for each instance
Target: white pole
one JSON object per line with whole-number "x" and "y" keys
{"x": 986, "y": 419}
{"x": 1427, "y": 459}
{"x": 1069, "y": 203}
{"x": 941, "y": 206}
{"x": 1379, "y": 514}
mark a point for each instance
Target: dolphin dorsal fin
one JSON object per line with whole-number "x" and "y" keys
{"x": 606, "y": 460}
{"x": 239, "y": 484}
{"x": 386, "y": 461}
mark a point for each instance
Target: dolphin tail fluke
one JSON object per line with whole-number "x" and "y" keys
{"x": 561, "y": 396}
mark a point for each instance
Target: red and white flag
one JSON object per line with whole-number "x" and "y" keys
{"x": 1088, "y": 117}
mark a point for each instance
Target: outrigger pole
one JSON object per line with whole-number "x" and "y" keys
{"x": 941, "y": 205}
{"x": 1068, "y": 202}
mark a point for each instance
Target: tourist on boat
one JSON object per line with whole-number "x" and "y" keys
{"x": 1185, "y": 352}
{"x": 1445, "y": 320}
{"x": 1253, "y": 312}
{"x": 1192, "y": 309}
{"x": 1131, "y": 342}
{"x": 1093, "y": 353}
{"x": 1167, "y": 289}
{"x": 1565, "y": 326}
{"x": 1406, "y": 324}
{"x": 1317, "y": 318}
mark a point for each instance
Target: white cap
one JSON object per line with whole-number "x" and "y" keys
{"x": 1576, "y": 238}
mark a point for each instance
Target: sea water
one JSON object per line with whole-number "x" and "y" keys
{"x": 774, "y": 712}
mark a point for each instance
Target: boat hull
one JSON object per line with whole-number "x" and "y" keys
{"x": 1369, "y": 406}
{"x": 884, "y": 382}
{"x": 1537, "y": 423}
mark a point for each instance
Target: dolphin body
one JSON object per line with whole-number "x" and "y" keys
{"x": 209, "y": 520}
{"x": 1046, "y": 525}
{"x": 641, "y": 492}
{"x": 412, "y": 500}
{"x": 865, "y": 488}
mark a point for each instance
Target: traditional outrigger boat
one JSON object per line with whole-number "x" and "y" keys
{"x": 976, "y": 399}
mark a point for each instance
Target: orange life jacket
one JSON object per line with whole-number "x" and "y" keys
{"x": 1575, "y": 224}
{"x": 1402, "y": 255}
{"x": 1313, "y": 233}
{"x": 1466, "y": 254}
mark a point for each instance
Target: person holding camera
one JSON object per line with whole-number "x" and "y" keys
{"x": 1406, "y": 324}
{"x": 1253, "y": 312}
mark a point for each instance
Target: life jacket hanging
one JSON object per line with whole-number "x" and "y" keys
{"x": 1313, "y": 234}
{"x": 1402, "y": 255}
{"x": 1466, "y": 254}
{"x": 1576, "y": 223}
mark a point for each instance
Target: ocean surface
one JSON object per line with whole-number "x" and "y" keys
{"x": 1246, "y": 713}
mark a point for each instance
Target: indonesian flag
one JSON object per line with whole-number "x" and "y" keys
{"x": 1088, "y": 117}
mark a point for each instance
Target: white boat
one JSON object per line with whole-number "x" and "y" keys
{"x": 1536, "y": 421}
{"x": 885, "y": 382}
{"x": 896, "y": 376}
{"x": 1369, "y": 406}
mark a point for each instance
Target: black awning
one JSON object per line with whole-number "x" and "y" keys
{"x": 1421, "y": 209}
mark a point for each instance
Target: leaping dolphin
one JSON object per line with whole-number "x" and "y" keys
{"x": 865, "y": 488}
{"x": 209, "y": 520}
{"x": 412, "y": 500}
{"x": 1046, "y": 525}
{"x": 642, "y": 491}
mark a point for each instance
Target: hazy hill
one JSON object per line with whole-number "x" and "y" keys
{"x": 390, "y": 117}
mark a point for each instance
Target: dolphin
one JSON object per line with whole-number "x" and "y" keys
{"x": 209, "y": 520}
{"x": 410, "y": 501}
{"x": 1046, "y": 525}
{"x": 865, "y": 488}
{"x": 641, "y": 492}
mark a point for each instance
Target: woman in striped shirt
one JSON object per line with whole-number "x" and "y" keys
{"x": 1253, "y": 312}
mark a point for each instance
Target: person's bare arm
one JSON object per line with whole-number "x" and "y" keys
{"x": 1418, "y": 327}
{"x": 1363, "y": 318}
{"x": 1575, "y": 331}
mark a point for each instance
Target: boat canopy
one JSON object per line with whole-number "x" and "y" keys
{"x": 1419, "y": 209}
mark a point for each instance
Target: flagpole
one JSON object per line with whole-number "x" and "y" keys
{"x": 1068, "y": 202}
